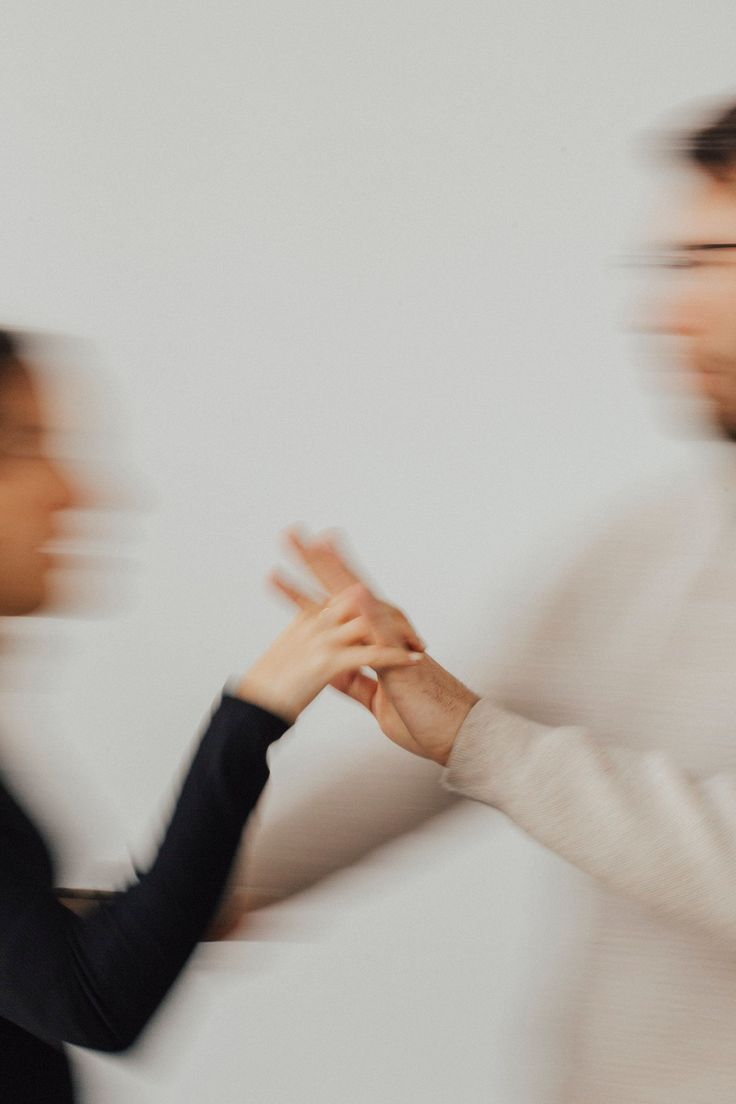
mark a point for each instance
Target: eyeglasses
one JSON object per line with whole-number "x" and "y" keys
{"x": 679, "y": 257}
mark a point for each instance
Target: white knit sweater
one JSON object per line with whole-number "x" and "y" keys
{"x": 612, "y": 741}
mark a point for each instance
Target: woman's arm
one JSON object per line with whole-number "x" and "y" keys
{"x": 95, "y": 979}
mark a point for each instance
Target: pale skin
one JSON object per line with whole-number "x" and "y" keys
{"x": 421, "y": 708}
{"x": 321, "y": 645}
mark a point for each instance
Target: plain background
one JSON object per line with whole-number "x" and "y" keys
{"x": 355, "y": 265}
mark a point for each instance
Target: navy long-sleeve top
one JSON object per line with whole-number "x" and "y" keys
{"x": 95, "y": 980}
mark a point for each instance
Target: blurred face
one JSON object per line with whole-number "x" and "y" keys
{"x": 701, "y": 306}
{"x": 33, "y": 489}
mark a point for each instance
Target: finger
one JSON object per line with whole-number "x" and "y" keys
{"x": 388, "y": 626}
{"x": 377, "y": 656}
{"x": 379, "y": 616}
{"x": 344, "y": 606}
{"x": 356, "y": 685}
{"x": 355, "y": 631}
{"x": 328, "y": 545}
{"x": 293, "y": 593}
{"x": 324, "y": 561}
{"x": 411, "y": 636}
{"x": 328, "y": 564}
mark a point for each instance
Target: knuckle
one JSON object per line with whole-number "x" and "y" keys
{"x": 324, "y": 660}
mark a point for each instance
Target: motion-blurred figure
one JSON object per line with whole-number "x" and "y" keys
{"x": 611, "y": 735}
{"x": 96, "y": 979}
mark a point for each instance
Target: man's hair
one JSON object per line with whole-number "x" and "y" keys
{"x": 713, "y": 147}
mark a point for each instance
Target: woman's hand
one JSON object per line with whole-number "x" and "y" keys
{"x": 321, "y": 644}
{"x": 330, "y": 568}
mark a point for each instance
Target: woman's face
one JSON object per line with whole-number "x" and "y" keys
{"x": 33, "y": 489}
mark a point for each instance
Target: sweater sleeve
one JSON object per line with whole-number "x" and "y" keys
{"x": 95, "y": 980}
{"x": 637, "y": 822}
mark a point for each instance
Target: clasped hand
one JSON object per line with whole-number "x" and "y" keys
{"x": 418, "y": 704}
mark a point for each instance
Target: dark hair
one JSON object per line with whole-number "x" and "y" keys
{"x": 8, "y": 347}
{"x": 713, "y": 147}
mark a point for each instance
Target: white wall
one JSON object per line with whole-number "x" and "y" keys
{"x": 351, "y": 264}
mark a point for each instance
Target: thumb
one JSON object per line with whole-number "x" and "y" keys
{"x": 358, "y": 686}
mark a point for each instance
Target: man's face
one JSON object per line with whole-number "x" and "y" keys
{"x": 700, "y": 308}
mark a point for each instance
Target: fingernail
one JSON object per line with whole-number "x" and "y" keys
{"x": 416, "y": 656}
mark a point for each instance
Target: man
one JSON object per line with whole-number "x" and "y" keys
{"x": 611, "y": 738}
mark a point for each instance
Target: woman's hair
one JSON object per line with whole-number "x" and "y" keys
{"x": 9, "y": 347}
{"x": 12, "y": 356}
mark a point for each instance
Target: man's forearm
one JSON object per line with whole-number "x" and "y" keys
{"x": 637, "y": 822}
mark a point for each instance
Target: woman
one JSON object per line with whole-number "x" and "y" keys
{"x": 94, "y": 980}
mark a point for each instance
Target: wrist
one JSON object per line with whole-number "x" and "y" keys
{"x": 257, "y": 691}
{"x": 462, "y": 706}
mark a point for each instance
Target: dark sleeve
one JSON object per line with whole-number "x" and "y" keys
{"x": 95, "y": 980}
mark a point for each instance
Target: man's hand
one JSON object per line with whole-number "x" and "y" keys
{"x": 420, "y": 708}
{"x": 433, "y": 704}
